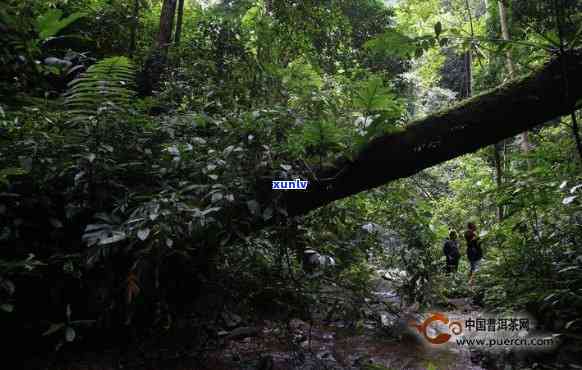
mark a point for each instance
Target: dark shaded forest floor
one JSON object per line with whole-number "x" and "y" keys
{"x": 386, "y": 343}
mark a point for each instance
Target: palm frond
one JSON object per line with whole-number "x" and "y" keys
{"x": 108, "y": 84}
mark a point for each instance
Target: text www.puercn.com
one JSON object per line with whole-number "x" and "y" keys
{"x": 491, "y": 342}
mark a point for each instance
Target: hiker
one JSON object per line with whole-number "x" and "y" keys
{"x": 451, "y": 251}
{"x": 474, "y": 251}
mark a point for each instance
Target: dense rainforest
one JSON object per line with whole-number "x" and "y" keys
{"x": 150, "y": 152}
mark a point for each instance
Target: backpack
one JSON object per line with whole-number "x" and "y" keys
{"x": 474, "y": 250}
{"x": 451, "y": 249}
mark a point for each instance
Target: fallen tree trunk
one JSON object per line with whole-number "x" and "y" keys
{"x": 475, "y": 123}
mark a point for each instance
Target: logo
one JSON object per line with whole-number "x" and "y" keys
{"x": 484, "y": 331}
{"x": 455, "y": 327}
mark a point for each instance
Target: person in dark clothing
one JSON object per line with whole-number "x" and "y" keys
{"x": 474, "y": 251}
{"x": 451, "y": 251}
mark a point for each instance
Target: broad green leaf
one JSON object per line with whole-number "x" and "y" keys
{"x": 116, "y": 237}
{"x": 438, "y": 28}
{"x": 571, "y": 323}
{"x": 51, "y": 22}
{"x": 392, "y": 43}
{"x": 567, "y": 269}
{"x": 268, "y": 214}
{"x": 54, "y": 328}
{"x": 253, "y": 206}
{"x": 372, "y": 95}
{"x": 143, "y": 234}
{"x": 251, "y": 16}
{"x": 210, "y": 210}
{"x": 70, "y": 334}
{"x": 216, "y": 197}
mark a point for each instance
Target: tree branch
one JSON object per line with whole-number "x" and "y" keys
{"x": 473, "y": 124}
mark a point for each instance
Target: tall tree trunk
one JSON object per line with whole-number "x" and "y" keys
{"x": 468, "y": 61}
{"x": 155, "y": 64}
{"x": 134, "y": 24}
{"x": 498, "y": 149}
{"x": 503, "y": 20}
{"x": 514, "y": 107}
{"x": 559, "y": 10}
{"x": 166, "y": 24}
{"x": 468, "y": 58}
{"x": 576, "y": 133}
{"x": 179, "y": 23}
{"x": 268, "y": 6}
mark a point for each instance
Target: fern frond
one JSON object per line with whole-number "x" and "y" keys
{"x": 106, "y": 84}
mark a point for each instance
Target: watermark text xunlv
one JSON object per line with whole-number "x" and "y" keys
{"x": 296, "y": 184}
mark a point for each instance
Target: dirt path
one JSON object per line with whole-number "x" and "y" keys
{"x": 384, "y": 340}
{"x": 385, "y": 343}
